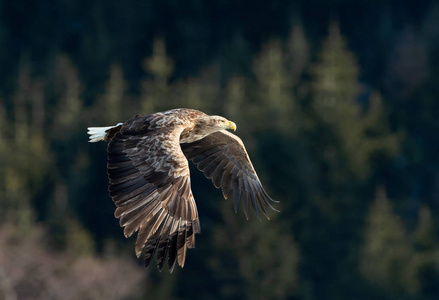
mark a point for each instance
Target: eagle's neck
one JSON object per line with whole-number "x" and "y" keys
{"x": 195, "y": 133}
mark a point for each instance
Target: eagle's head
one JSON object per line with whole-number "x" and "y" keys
{"x": 210, "y": 124}
{"x": 206, "y": 125}
{"x": 220, "y": 123}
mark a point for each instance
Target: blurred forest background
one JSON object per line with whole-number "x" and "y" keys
{"x": 336, "y": 101}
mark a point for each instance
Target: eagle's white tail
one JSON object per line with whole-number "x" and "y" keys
{"x": 98, "y": 133}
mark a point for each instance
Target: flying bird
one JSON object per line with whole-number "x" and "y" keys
{"x": 148, "y": 170}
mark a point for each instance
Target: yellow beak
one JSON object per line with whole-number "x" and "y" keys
{"x": 231, "y": 125}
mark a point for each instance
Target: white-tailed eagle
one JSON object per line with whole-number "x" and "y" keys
{"x": 150, "y": 181}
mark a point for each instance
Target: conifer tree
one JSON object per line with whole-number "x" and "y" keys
{"x": 297, "y": 54}
{"x": 273, "y": 88}
{"x": 156, "y": 95}
{"x": 334, "y": 91}
{"x": 358, "y": 131}
{"x": 386, "y": 258}
{"x": 235, "y": 98}
{"x": 67, "y": 90}
{"x": 113, "y": 101}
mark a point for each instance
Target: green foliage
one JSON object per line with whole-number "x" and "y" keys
{"x": 359, "y": 132}
{"x": 114, "y": 100}
{"x": 394, "y": 260}
{"x": 156, "y": 90}
{"x": 274, "y": 88}
{"x": 386, "y": 258}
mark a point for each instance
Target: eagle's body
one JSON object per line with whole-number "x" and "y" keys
{"x": 150, "y": 181}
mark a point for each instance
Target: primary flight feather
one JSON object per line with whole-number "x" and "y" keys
{"x": 150, "y": 181}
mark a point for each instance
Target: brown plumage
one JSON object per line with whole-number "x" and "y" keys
{"x": 150, "y": 181}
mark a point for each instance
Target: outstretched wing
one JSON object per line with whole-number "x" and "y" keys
{"x": 150, "y": 185}
{"x": 223, "y": 159}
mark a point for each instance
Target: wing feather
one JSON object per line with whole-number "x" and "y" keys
{"x": 162, "y": 247}
{"x": 150, "y": 185}
{"x": 237, "y": 192}
{"x": 181, "y": 244}
{"x": 172, "y": 252}
{"x": 138, "y": 220}
{"x": 145, "y": 233}
{"x": 218, "y": 172}
{"x": 223, "y": 159}
{"x": 244, "y": 197}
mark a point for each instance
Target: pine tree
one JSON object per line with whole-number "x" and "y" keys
{"x": 67, "y": 90}
{"x": 351, "y": 131}
{"x": 334, "y": 91}
{"x": 235, "y": 97}
{"x": 386, "y": 258}
{"x": 273, "y": 90}
{"x": 156, "y": 94}
{"x": 297, "y": 54}
{"x": 113, "y": 102}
